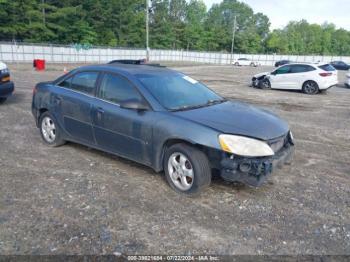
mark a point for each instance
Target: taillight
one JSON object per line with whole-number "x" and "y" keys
{"x": 325, "y": 74}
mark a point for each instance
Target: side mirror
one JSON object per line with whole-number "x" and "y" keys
{"x": 134, "y": 104}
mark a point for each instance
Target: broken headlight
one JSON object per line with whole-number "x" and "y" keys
{"x": 244, "y": 146}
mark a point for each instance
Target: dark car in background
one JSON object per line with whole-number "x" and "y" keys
{"x": 282, "y": 62}
{"x": 163, "y": 119}
{"x": 6, "y": 86}
{"x": 340, "y": 65}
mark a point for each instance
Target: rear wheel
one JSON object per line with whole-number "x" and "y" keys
{"x": 50, "y": 131}
{"x": 186, "y": 169}
{"x": 310, "y": 88}
{"x": 2, "y": 99}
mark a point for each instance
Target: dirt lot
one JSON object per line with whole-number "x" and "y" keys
{"x": 75, "y": 200}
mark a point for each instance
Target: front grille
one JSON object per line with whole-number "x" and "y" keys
{"x": 277, "y": 144}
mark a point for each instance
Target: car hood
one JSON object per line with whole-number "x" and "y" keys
{"x": 239, "y": 119}
{"x": 261, "y": 74}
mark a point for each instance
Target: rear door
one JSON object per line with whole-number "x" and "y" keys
{"x": 299, "y": 74}
{"x": 126, "y": 132}
{"x": 73, "y": 103}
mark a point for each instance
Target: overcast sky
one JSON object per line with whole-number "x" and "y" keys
{"x": 281, "y": 12}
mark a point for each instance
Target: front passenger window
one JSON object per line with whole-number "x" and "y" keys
{"x": 117, "y": 89}
{"x": 283, "y": 70}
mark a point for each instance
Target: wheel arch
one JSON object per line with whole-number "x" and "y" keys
{"x": 40, "y": 112}
{"x": 170, "y": 142}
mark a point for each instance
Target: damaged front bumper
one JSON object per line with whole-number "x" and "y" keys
{"x": 254, "y": 171}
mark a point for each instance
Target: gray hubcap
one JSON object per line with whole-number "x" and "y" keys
{"x": 181, "y": 171}
{"x": 48, "y": 129}
{"x": 265, "y": 84}
{"x": 310, "y": 87}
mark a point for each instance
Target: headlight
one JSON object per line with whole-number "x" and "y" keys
{"x": 244, "y": 146}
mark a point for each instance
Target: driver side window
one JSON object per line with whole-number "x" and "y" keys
{"x": 116, "y": 89}
{"x": 283, "y": 70}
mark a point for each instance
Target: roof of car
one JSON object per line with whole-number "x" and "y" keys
{"x": 130, "y": 68}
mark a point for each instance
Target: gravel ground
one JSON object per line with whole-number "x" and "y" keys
{"x": 76, "y": 200}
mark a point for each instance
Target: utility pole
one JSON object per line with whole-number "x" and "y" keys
{"x": 147, "y": 30}
{"x": 43, "y": 11}
{"x": 233, "y": 36}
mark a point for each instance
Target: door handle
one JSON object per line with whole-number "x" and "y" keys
{"x": 100, "y": 112}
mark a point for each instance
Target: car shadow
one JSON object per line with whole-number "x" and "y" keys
{"x": 14, "y": 99}
{"x": 217, "y": 180}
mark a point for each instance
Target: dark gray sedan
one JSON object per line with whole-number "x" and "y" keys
{"x": 163, "y": 119}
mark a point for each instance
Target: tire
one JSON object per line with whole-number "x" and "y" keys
{"x": 265, "y": 84}
{"x": 236, "y": 64}
{"x": 2, "y": 99}
{"x": 310, "y": 87}
{"x": 50, "y": 130}
{"x": 252, "y": 64}
{"x": 193, "y": 175}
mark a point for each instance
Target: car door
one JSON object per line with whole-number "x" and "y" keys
{"x": 73, "y": 103}
{"x": 279, "y": 78}
{"x": 245, "y": 62}
{"x": 299, "y": 74}
{"x": 126, "y": 132}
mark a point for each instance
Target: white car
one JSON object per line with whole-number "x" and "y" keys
{"x": 245, "y": 62}
{"x": 310, "y": 78}
{"x": 347, "y": 83}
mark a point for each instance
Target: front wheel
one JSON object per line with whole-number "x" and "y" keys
{"x": 186, "y": 169}
{"x": 236, "y": 64}
{"x": 265, "y": 84}
{"x": 50, "y": 131}
{"x": 310, "y": 88}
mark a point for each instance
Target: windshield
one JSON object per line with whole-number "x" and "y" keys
{"x": 179, "y": 92}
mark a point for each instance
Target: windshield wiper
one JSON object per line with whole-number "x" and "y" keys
{"x": 208, "y": 103}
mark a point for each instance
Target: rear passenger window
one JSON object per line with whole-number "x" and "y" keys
{"x": 301, "y": 68}
{"x": 84, "y": 82}
{"x": 116, "y": 89}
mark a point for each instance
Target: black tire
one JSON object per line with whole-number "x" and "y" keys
{"x": 2, "y": 99}
{"x": 310, "y": 87}
{"x": 236, "y": 64}
{"x": 199, "y": 163}
{"x": 57, "y": 141}
{"x": 252, "y": 64}
{"x": 265, "y": 84}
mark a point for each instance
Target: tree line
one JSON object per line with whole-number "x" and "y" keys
{"x": 174, "y": 24}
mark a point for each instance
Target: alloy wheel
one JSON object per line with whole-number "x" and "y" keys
{"x": 48, "y": 129}
{"x": 181, "y": 171}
